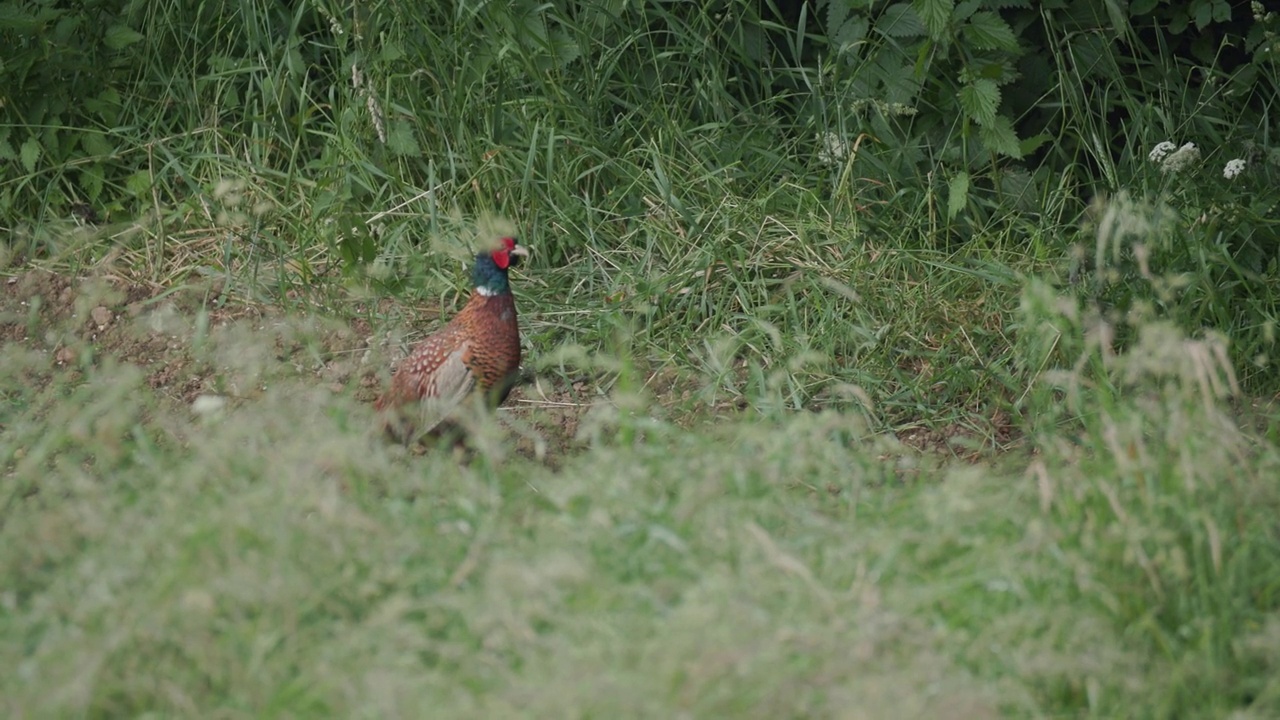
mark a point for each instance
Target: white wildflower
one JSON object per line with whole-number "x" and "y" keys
{"x": 1180, "y": 159}
{"x": 834, "y": 149}
{"x": 1161, "y": 150}
{"x": 1233, "y": 168}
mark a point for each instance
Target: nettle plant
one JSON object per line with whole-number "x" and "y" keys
{"x": 928, "y": 83}
{"x": 62, "y": 74}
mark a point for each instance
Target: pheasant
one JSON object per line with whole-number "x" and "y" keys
{"x": 479, "y": 350}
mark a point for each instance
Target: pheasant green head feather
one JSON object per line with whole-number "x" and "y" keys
{"x": 489, "y": 276}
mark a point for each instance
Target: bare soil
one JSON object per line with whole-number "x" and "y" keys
{"x": 77, "y": 322}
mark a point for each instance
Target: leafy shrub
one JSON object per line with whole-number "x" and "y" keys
{"x": 95, "y": 117}
{"x": 962, "y": 100}
{"x": 66, "y": 74}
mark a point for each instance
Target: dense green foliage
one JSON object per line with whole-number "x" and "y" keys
{"x": 768, "y": 238}
{"x": 923, "y": 121}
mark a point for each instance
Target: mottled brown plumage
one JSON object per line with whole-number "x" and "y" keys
{"x": 477, "y": 351}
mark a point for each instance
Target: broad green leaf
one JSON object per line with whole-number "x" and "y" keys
{"x": 1018, "y": 188}
{"x": 51, "y": 138}
{"x": 980, "y": 100}
{"x": 989, "y": 31}
{"x": 14, "y": 17}
{"x": 95, "y": 143}
{"x": 900, "y": 20}
{"x": 851, "y": 33}
{"x": 391, "y": 51}
{"x": 1203, "y": 14}
{"x": 106, "y": 106}
{"x": 293, "y": 60}
{"x": 1138, "y": 8}
{"x": 965, "y": 8}
{"x": 566, "y": 50}
{"x": 139, "y": 183}
{"x": 91, "y": 177}
{"x": 1120, "y": 28}
{"x": 121, "y": 36}
{"x": 837, "y": 13}
{"x": 31, "y": 151}
{"x": 999, "y": 71}
{"x": 900, "y": 83}
{"x": 935, "y": 14}
{"x": 999, "y": 137}
{"x": 1221, "y": 11}
{"x": 957, "y": 194}
{"x": 535, "y": 28}
{"x": 67, "y": 29}
{"x": 6, "y": 150}
{"x": 1033, "y": 143}
{"x": 400, "y": 139}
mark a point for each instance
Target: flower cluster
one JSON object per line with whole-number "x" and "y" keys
{"x": 1174, "y": 159}
{"x": 1233, "y": 168}
{"x": 834, "y": 149}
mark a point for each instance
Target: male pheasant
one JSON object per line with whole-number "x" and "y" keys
{"x": 479, "y": 350}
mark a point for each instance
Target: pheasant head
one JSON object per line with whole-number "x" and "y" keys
{"x": 489, "y": 274}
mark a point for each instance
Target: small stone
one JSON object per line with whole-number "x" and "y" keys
{"x": 64, "y": 355}
{"x": 208, "y": 404}
{"x": 101, "y": 316}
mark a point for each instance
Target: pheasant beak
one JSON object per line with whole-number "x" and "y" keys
{"x": 517, "y": 252}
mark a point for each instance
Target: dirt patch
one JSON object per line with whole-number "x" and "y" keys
{"x": 79, "y": 321}
{"x": 978, "y": 438}
{"x": 190, "y": 341}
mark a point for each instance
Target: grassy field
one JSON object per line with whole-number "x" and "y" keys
{"x": 794, "y": 440}
{"x": 871, "y": 519}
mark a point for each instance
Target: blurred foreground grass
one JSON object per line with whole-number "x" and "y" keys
{"x": 275, "y": 558}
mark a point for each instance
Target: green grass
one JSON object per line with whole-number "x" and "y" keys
{"x": 277, "y": 558}
{"x": 831, "y": 449}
